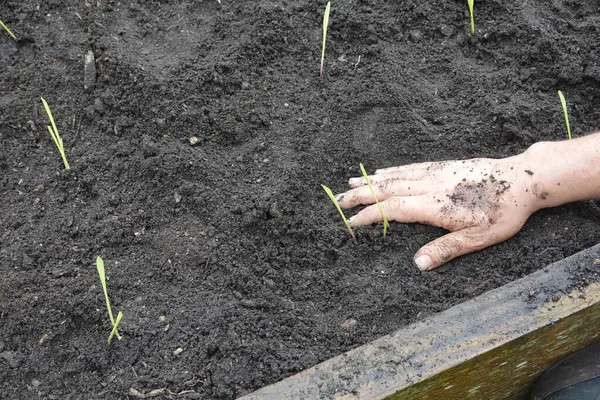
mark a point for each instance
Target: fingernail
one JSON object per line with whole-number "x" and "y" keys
{"x": 350, "y": 220}
{"x": 339, "y": 197}
{"x": 423, "y": 262}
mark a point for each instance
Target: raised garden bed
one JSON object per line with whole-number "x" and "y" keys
{"x": 492, "y": 347}
{"x": 197, "y": 158}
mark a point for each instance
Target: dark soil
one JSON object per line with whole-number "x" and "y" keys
{"x": 232, "y": 240}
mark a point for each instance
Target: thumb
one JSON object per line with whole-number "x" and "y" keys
{"x": 450, "y": 246}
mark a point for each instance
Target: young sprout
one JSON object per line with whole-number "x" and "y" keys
{"x": 101, "y": 272}
{"x": 325, "y": 24}
{"x": 55, "y": 135}
{"x": 470, "y": 4}
{"x": 563, "y": 102}
{"x": 385, "y": 221}
{"x": 114, "y": 329}
{"x": 12, "y": 35}
{"x": 337, "y": 205}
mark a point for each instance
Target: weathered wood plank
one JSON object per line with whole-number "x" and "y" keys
{"x": 490, "y": 347}
{"x": 507, "y": 372}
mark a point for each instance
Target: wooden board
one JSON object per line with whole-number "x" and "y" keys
{"x": 491, "y": 347}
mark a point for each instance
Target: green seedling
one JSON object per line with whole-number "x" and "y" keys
{"x": 12, "y": 35}
{"x": 471, "y": 3}
{"x": 101, "y": 272}
{"x": 337, "y": 205}
{"x": 55, "y": 135}
{"x": 114, "y": 329}
{"x": 325, "y": 24}
{"x": 385, "y": 221}
{"x": 563, "y": 102}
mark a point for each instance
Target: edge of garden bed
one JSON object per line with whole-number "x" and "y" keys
{"x": 493, "y": 346}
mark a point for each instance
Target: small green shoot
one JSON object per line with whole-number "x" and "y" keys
{"x": 325, "y": 24}
{"x": 12, "y": 35}
{"x": 563, "y": 102}
{"x": 114, "y": 329}
{"x": 385, "y": 221}
{"x": 471, "y": 4}
{"x": 337, "y": 205}
{"x": 55, "y": 135}
{"x": 101, "y": 272}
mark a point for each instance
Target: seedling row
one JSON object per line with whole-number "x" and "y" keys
{"x": 58, "y": 141}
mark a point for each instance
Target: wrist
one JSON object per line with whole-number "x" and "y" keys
{"x": 561, "y": 172}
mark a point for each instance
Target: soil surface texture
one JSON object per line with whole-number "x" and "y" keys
{"x": 198, "y": 146}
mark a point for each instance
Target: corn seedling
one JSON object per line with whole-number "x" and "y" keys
{"x": 12, "y": 35}
{"x": 101, "y": 272}
{"x": 337, "y": 205}
{"x": 471, "y": 3}
{"x": 563, "y": 102}
{"x": 325, "y": 24}
{"x": 55, "y": 135}
{"x": 114, "y": 329}
{"x": 385, "y": 221}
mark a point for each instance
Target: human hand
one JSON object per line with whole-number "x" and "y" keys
{"x": 480, "y": 201}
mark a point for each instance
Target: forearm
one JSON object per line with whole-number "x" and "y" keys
{"x": 565, "y": 171}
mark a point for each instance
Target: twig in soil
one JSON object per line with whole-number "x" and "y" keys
{"x": 471, "y": 4}
{"x": 357, "y": 62}
{"x": 563, "y": 103}
{"x": 43, "y": 338}
{"x": 12, "y": 35}
{"x": 153, "y": 393}
{"x": 325, "y": 24}
{"x": 337, "y": 205}
{"x": 547, "y": 249}
{"x": 102, "y": 273}
{"x": 55, "y": 135}
{"x": 175, "y": 24}
{"x": 385, "y": 221}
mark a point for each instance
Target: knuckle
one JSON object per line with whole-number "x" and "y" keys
{"x": 477, "y": 239}
{"x": 382, "y": 188}
{"x": 478, "y": 242}
{"x": 446, "y": 249}
{"x": 436, "y": 204}
{"x": 392, "y": 204}
{"x": 538, "y": 147}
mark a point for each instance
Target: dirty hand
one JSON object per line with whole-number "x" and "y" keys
{"x": 480, "y": 201}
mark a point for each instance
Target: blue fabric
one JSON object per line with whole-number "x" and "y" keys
{"x": 576, "y": 377}
{"x": 586, "y": 390}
